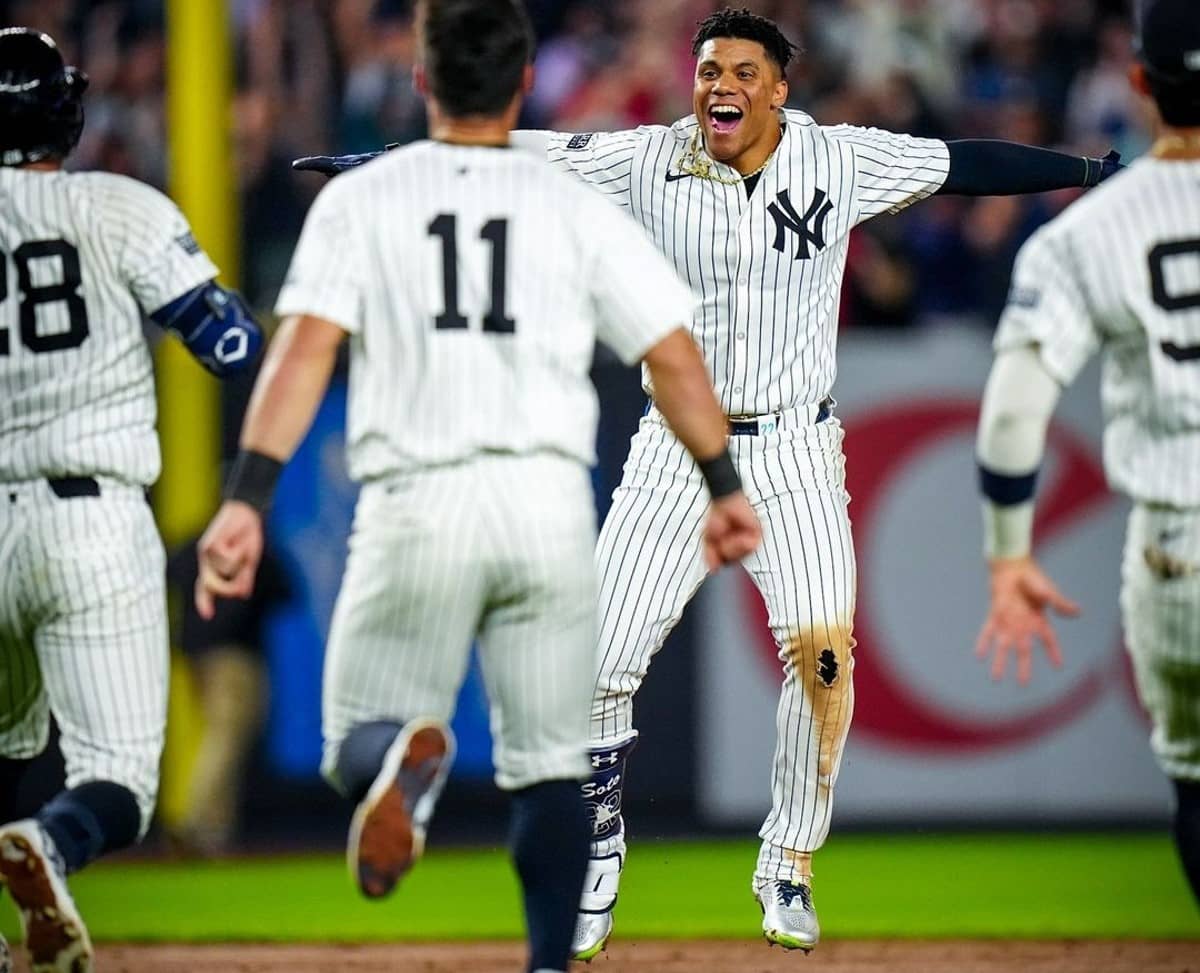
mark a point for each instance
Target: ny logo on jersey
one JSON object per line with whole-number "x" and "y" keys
{"x": 809, "y": 228}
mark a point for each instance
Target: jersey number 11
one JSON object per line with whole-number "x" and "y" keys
{"x": 495, "y": 232}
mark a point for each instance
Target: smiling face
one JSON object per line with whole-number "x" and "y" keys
{"x": 739, "y": 91}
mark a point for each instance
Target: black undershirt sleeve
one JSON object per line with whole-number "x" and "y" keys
{"x": 989, "y": 167}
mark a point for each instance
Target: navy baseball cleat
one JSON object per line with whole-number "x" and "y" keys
{"x": 30, "y": 866}
{"x": 789, "y": 919}
{"x": 387, "y": 833}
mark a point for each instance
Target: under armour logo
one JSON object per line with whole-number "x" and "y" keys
{"x": 604, "y": 759}
{"x": 810, "y": 228}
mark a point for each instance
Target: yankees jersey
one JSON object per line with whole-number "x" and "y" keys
{"x": 769, "y": 266}
{"x": 1120, "y": 270}
{"x": 473, "y": 282}
{"x": 82, "y": 257}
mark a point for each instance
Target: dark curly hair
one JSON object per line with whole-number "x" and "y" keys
{"x": 744, "y": 25}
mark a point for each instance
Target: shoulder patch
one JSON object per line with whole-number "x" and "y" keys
{"x": 580, "y": 141}
{"x": 188, "y": 243}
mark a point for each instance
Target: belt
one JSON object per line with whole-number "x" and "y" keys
{"x": 772, "y": 422}
{"x": 66, "y": 487}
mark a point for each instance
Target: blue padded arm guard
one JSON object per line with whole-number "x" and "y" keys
{"x": 216, "y": 326}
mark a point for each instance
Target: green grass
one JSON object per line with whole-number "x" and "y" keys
{"x": 923, "y": 886}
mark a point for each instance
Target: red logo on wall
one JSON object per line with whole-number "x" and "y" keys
{"x": 880, "y": 445}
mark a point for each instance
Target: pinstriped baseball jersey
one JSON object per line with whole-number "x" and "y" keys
{"x": 83, "y": 615}
{"x": 768, "y": 267}
{"x": 767, "y": 258}
{"x": 474, "y": 282}
{"x": 82, "y": 257}
{"x": 1119, "y": 270}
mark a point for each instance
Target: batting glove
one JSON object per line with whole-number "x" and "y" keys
{"x": 331, "y": 165}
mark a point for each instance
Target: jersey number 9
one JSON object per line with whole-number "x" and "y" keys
{"x": 30, "y": 296}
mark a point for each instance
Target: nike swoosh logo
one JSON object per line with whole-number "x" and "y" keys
{"x": 676, "y": 176}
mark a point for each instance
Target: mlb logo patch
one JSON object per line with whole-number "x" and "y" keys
{"x": 578, "y": 142}
{"x": 188, "y": 243}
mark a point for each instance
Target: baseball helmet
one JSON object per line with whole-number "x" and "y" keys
{"x": 41, "y": 107}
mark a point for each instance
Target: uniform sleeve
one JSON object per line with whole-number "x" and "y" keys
{"x": 638, "y": 297}
{"x": 1047, "y": 308}
{"x": 325, "y": 277}
{"x": 160, "y": 259}
{"x": 603, "y": 160}
{"x": 892, "y": 171}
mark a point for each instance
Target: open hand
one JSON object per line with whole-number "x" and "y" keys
{"x": 1021, "y": 595}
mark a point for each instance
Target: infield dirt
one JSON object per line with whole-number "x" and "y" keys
{"x": 991, "y": 956}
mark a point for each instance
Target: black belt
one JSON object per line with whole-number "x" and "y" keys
{"x": 67, "y": 487}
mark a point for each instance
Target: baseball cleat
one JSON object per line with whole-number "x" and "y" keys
{"x": 30, "y": 866}
{"x": 387, "y": 833}
{"x": 789, "y": 919}
{"x": 595, "y": 922}
{"x": 6, "y": 963}
{"x": 591, "y": 935}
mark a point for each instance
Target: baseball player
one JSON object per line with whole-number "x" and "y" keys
{"x": 472, "y": 281}
{"x": 83, "y": 628}
{"x": 754, "y": 204}
{"x": 1117, "y": 272}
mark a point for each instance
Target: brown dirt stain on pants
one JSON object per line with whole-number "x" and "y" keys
{"x": 822, "y": 661}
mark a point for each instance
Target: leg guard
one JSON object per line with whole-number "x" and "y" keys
{"x": 602, "y": 792}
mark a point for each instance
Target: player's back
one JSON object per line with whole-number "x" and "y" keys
{"x": 479, "y": 312}
{"x": 1128, "y": 261}
{"x": 76, "y": 382}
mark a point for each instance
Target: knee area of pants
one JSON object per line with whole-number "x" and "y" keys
{"x": 822, "y": 657}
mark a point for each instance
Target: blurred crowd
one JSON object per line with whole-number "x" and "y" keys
{"x": 321, "y": 76}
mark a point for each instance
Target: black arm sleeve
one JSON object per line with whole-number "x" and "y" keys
{"x": 989, "y": 167}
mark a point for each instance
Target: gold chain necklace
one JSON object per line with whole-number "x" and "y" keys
{"x": 694, "y": 162}
{"x": 1176, "y": 146}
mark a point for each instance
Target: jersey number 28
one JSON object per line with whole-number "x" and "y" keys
{"x": 30, "y": 296}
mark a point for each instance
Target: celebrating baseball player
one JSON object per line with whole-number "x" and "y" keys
{"x": 753, "y": 203}
{"x": 1136, "y": 298}
{"x": 83, "y": 615}
{"x": 472, "y": 281}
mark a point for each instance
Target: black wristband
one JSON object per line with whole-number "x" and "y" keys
{"x": 252, "y": 479}
{"x": 721, "y": 475}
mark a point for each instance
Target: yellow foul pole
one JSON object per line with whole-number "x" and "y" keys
{"x": 202, "y": 182}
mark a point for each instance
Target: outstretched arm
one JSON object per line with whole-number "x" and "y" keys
{"x": 989, "y": 167}
{"x": 1017, "y": 405}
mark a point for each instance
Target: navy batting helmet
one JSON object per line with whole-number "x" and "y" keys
{"x": 41, "y": 111}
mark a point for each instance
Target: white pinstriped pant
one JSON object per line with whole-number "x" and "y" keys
{"x": 83, "y": 633}
{"x": 498, "y": 547}
{"x": 1160, "y": 603}
{"x": 650, "y": 564}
